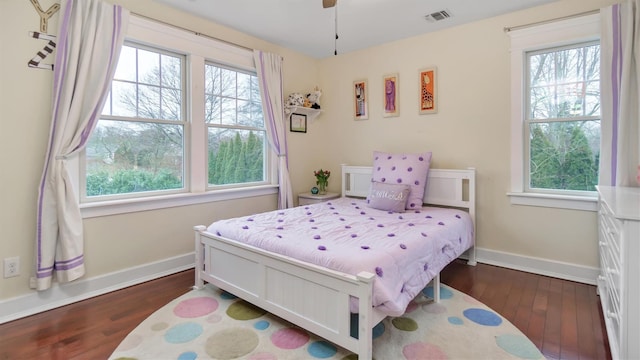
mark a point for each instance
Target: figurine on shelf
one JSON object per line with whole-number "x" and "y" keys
{"x": 314, "y": 98}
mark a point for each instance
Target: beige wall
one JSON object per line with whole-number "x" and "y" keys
{"x": 471, "y": 129}
{"x": 112, "y": 243}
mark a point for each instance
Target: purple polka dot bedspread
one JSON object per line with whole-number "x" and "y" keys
{"x": 404, "y": 250}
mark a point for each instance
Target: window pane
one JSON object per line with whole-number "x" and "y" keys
{"x": 228, "y": 83}
{"x": 256, "y": 114}
{"x": 233, "y": 110}
{"x": 255, "y": 89}
{"x": 228, "y": 111}
{"x": 148, "y": 67}
{"x": 542, "y": 104}
{"x": 541, "y": 70}
{"x": 126, "y": 69}
{"x": 592, "y": 99}
{"x": 171, "y": 99}
{"x": 561, "y": 80}
{"x": 212, "y": 80}
{"x": 124, "y": 99}
{"x": 244, "y": 113}
{"x": 127, "y": 157}
{"x": 564, "y": 155}
{"x": 149, "y": 102}
{"x": 235, "y": 156}
{"x": 244, "y": 86}
{"x": 212, "y": 109}
{"x": 136, "y": 153}
{"x": 171, "y": 72}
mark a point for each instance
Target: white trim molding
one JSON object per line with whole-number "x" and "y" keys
{"x": 546, "y": 267}
{"x": 61, "y": 295}
{"x": 531, "y": 38}
{"x": 64, "y": 294}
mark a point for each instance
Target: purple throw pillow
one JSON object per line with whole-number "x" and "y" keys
{"x": 388, "y": 197}
{"x": 405, "y": 169}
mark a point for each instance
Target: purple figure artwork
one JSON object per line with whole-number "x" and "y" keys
{"x": 390, "y": 95}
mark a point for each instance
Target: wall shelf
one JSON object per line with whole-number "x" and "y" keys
{"x": 310, "y": 112}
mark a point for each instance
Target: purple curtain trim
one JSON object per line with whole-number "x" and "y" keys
{"x": 117, "y": 25}
{"x": 68, "y": 266}
{"x": 274, "y": 135}
{"x": 60, "y": 265}
{"x": 59, "y": 70}
{"x": 615, "y": 80}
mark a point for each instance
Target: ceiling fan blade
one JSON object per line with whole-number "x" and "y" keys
{"x": 328, "y": 3}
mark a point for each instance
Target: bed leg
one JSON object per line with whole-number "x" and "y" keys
{"x": 199, "y": 257}
{"x": 365, "y": 328}
{"x": 472, "y": 256}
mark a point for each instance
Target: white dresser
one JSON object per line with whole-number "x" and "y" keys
{"x": 619, "y": 280}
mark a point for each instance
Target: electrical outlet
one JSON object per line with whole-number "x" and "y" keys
{"x": 11, "y": 267}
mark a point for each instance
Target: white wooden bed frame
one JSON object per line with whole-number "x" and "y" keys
{"x": 313, "y": 297}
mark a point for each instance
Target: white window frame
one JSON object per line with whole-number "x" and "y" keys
{"x": 560, "y": 33}
{"x": 197, "y": 49}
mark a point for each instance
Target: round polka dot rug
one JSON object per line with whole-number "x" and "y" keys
{"x": 213, "y": 324}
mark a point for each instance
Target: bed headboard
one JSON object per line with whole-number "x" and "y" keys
{"x": 445, "y": 187}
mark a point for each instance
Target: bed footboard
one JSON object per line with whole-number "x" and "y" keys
{"x": 274, "y": 283}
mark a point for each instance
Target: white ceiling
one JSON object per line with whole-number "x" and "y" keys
{"x": 304, "y": 26}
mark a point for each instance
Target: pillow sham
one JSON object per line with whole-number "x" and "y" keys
{"x": 406, "y": 169}
{"x": 388, "y": 197}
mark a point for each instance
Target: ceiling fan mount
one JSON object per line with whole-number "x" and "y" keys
{"x": 328, "y": 3}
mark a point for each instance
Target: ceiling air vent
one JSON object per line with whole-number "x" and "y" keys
{"x": 438, "y": 15}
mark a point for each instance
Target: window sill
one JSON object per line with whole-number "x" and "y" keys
{"x": 91, "y": 210}
{"x": 584, "y": 203}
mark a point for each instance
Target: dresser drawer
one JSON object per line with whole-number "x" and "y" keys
{"x": 618, "y": 285}
{"x": 610, "y": 314}
{"x": 611, "y": 277}
{"x": 610, "y": 229}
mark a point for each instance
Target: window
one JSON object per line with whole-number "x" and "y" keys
{"x": 236, "y": 130}
{"x": 138, "y": 144}
{"x": 562, "y": 122}
{"x": 182, "y": 125}
{"x": 555, "y": 120}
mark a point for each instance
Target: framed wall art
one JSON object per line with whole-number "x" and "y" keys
{"x": 428, "y": 91}
{"x": 390, "y": 85}
{"x": 298, "y": 123}
{"x": 360, "y": 100}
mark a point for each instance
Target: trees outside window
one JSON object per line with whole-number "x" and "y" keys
{"x": 139, "y": 147}
{"x": 563, "y": 118}
{"x": 236, "y": 129}
{"x": 138, "y": 144}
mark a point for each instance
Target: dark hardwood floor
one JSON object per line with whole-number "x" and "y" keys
{"x": 562, "y": 318}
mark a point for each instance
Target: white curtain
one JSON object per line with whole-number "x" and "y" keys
{"x": 269, "y": 69}
{"x": 90, "y": 36}
{"x": 619, "y": 76}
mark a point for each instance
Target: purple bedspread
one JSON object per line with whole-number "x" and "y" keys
{"x": 404, "y": 250}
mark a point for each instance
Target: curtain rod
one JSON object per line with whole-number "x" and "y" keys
{"x": 517, "y": 27}
{"x": 193, "y": 32}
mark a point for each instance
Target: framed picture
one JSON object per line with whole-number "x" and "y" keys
{"x": 390, "y": 85}
{"x": 360, "y": 100}
{"x": 428, "y": 91}
{"x": 298, "y": 122}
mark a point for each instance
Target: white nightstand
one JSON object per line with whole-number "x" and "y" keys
{"x": 308, "y": 198}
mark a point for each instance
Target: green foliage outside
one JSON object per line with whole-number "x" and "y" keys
{"x": 130, "y": 180}
{"x": 237, "y": 161}
{"x": 561, "y": 158}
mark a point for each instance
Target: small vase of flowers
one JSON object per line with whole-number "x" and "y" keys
{"x": 322, "y": 180}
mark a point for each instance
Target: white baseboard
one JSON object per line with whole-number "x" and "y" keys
{"x": 65, "y": 294}
{"x": 556, "y": 269}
